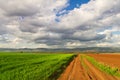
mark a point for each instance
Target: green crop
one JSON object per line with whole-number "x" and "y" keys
{"x": 28, "y": 66}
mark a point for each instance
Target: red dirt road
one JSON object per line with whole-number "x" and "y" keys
{"x": 73, "y": 71}
{"x": 82, "y": 69}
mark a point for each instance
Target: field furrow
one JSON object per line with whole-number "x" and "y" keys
{"x": 83, "y": 69}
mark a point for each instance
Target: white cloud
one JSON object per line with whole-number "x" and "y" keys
{"x": 73, "y": 44}
{"x": 33, "y": 23}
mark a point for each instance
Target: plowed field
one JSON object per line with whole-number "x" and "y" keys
{"x": 110, "y": 59}
{"x": 81, "y": 69}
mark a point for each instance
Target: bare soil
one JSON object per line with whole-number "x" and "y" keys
{"x": 109, "y": 59}
{"x": 77, "y": 71}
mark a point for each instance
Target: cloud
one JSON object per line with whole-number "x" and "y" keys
{"x": 88, "y": 36}
{"x": 29, "y": 23}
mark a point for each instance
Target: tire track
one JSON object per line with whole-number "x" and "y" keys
{"x": 76, "y": 71}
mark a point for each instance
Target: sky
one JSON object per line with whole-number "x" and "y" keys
{"x": 59, "y": 23}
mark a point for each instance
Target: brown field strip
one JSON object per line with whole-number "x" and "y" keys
{"x": 110, "y": 59}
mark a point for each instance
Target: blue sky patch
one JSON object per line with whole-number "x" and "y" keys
{"x": 76, "y": 3}
{"x": 72, "y": 4}
{"x": 116, "y": 32}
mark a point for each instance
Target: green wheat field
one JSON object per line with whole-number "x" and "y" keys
{"x": 32, "y": 66}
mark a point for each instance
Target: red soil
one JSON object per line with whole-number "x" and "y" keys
{"x": 77, "y": 71}
{"x": 110, "y": 59}
{"x": 73, "y": 71}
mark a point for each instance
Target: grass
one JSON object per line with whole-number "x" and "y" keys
{"x": 29, "y": 66}
{"x": 103, "y": 67}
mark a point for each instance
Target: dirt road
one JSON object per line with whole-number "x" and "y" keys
{"x": 77, "y": 70}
